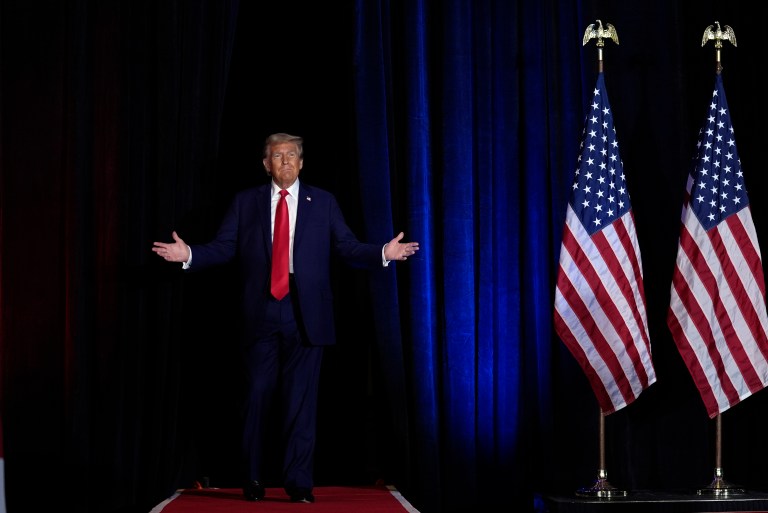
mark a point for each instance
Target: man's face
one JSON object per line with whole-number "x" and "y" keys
{"x": 283, "y": 163}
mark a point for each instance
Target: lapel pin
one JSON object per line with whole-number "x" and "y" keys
{"x": 309, "y": 198}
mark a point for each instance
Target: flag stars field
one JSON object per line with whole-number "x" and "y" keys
{"x": 600, "y": 156}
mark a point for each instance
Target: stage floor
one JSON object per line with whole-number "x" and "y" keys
{"x": 653, "y": 502}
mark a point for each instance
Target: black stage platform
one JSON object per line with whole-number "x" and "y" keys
{"x": 652, "y": 502}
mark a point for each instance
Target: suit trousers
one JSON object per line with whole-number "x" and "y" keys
{"x": 281, "y": 366}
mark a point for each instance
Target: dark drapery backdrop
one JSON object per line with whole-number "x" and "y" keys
{"x": 456, "y": 122}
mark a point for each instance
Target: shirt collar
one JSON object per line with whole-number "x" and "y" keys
{"x": 293, "y": 190}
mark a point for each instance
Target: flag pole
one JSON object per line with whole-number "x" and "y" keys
{"x": 719, "y": 486}
{"x": 601, "y": 487}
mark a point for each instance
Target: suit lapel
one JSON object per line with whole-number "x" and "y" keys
{"x": 264, "y": 206}
{"x": 303, "y": 208}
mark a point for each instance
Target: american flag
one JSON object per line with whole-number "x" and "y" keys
{"x": 717, "y": 312}
{"x": 600, "y": 310}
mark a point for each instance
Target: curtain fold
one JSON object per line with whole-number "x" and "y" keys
{"x": 375, "y": 156}
{"x": 481, "y": 220}
{"x": 115, "y": 110}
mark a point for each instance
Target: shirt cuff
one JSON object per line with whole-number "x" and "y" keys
{"x": 188, "y": 263}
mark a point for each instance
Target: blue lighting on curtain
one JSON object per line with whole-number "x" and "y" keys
{"x": 445, "y": 140}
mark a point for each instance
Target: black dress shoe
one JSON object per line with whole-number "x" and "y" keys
{"x": 253, "y": 491}
{"x": 301, "y": 495}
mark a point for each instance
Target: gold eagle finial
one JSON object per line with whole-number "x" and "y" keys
{"x": 714, "y": 32}
{"x": 609, "y": 32}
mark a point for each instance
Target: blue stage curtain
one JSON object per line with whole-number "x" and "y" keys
{"x": 465, "y": 112}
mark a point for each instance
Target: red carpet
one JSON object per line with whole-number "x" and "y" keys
{"x": 328, "y": 499}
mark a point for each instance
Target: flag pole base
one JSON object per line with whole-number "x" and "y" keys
{"x": 601, "y": 488}
{"x": 719, "y": 487}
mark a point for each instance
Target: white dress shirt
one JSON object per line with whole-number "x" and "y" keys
{"x": 293, "y": 204}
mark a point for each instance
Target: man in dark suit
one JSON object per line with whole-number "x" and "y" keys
{"x": 284, "y": 331}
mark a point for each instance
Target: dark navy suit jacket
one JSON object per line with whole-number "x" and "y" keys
{"x": 245, "y": 235}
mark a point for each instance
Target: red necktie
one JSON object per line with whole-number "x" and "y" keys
{"x": 280, "y": 244}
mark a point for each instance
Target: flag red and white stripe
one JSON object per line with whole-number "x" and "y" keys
{"x": 600, "y": 311}
{"x": 717, "y": 313}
